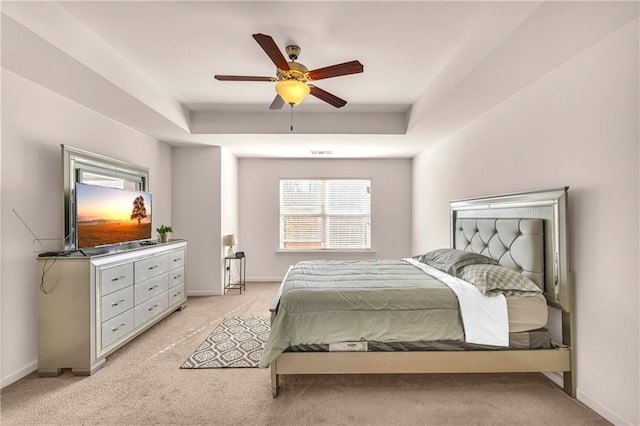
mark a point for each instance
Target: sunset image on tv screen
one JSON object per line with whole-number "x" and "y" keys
{"x": 110, "y": 215}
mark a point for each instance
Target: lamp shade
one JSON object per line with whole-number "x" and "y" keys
{"x": 292, "y": 91}
{"x": 229, "y": 240}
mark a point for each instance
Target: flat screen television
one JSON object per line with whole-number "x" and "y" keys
{"x": 107, "y": 216}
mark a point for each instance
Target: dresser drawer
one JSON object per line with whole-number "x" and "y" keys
{"x": 147, "y": 268}
{"x": 176, "y": 276}
{"x": 149, "y": 309}
{"x": 177, "y": 295}
{"x": 116, "y": 328}
{"x": 151, "y": 287}
{"x": 117, "y": 302}
{"x": 115, "y": 278}
{"x": 176, "y": 258}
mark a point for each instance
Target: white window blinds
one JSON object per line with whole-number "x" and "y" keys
{"x": 325, "y": 214}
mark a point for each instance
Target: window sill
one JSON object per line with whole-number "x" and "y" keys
{"x": 298, "y": 251}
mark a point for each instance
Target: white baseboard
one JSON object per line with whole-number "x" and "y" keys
{"x": 556, "y": 377}
{"x": 14, "y": 377}
{"x": 264, "y": 279}
{"x": 248, "y": 280}
{"x": 605, "y": 412}
{"x": 203, "y": 293}
{"x": 590, "y": 402}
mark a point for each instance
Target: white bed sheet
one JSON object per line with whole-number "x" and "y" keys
{"x": 485, "y": 319}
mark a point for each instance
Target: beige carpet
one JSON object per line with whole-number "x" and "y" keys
{"x": 143, "y": 384}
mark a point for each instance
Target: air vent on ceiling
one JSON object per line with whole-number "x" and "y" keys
{"x": 321, "y": 152}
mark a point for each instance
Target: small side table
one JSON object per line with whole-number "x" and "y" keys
{"x": 228, "y": 263}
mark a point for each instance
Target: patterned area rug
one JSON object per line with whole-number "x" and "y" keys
{"x": 236, "y": 343}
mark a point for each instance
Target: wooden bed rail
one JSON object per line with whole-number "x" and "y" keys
{"x": 508, "y": 361}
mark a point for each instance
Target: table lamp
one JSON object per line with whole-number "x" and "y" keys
{"x": 229, "y": 240}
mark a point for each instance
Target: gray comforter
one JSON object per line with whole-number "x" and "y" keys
{"x": 377, "y": 300}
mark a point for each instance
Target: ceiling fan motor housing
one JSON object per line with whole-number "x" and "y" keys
{"x": 297, "y": 71}
{"x": 293, "y": 51}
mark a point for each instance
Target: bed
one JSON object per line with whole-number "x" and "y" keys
{"x": 403, "y": 317}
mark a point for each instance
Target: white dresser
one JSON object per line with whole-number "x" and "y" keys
{"x": 94, "y": 305}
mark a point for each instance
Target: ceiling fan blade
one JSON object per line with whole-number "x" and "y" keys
{"x": 329, "y": 98}
{"x": 271, "y": 49}
{"x": 242, "y": 78}
{"x": 346, "y": 68}
{"x": 277, "y": 103}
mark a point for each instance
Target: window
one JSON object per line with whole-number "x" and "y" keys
{"x": 325, "y": 214}
{"x": 119, "y": 182}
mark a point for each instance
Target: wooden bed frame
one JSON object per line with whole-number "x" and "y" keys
{"x": 549, "y": 205}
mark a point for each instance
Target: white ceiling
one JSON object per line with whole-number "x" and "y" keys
{"x": 430, "y": 67}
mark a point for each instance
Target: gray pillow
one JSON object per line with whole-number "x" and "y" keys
{"x": 492, "y": 280}
{"x": 452, "y": 260}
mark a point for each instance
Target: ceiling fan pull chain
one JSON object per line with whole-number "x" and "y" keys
{"x": 292, "y": 117}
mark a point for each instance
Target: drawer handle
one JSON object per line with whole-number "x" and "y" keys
{"x": 175, "y": 277}
{"x": 153, "y": 267}
{"x": 152, "y": 287}
{"x": 118, "y": 302}
{"x": 152, "y": 308}
{"x": 177, "y": 294}
{"x": 177, "y": 259}
{"x": 118, "y": 278}
{"x": 122, "y": 324}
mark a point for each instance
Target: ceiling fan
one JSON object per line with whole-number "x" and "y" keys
{"x": 292, "y": 77}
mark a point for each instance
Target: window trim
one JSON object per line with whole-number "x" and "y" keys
{"x": 300, "y": 250}
{"x": 370, "y": 249}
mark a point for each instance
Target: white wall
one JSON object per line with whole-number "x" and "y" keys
{"x": 576, "y": 126}
{"x": 35, "y": 122}
{"x": 197, "y": 215}
{"x": 229, "y": 201}
{"x": 259, "y": 209}
{"x": 229, "y": 192}
{"x": 638, "y": 257}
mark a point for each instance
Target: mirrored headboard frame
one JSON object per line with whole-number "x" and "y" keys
{"x": 548, "y": 205}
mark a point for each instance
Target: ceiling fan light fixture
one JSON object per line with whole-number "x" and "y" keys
{"x": 292, "y": 91}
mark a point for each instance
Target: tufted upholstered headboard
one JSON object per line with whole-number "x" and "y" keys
{"x": 517, "y": 244}
{"x": 525, "y": 231}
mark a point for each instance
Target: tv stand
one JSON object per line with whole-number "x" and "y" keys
{"x": 90, "y": 306}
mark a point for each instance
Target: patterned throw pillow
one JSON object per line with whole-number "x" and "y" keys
{"x": 452, "y": 260}
{"x": 492, "y": 280}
